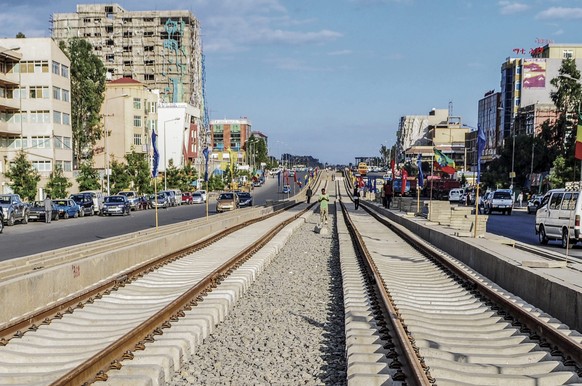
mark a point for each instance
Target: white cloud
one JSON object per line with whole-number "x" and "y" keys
{"x": 560, "y": 13}
{"x": 340, "y": 53}
{"x": 509, "y": 7}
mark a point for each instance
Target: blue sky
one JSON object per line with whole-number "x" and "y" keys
{"x": 331, "y": 78}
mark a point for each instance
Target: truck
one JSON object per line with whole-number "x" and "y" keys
{"x": 13, "y": 209}
{"x": 499, "y": 201}
{"x": 440, "y": 188}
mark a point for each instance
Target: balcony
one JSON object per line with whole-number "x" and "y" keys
{"x": 7, "y": 128}
{"x": 9, "y": 104}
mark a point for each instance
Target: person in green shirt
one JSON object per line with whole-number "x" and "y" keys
{"x": 323, "y": 201}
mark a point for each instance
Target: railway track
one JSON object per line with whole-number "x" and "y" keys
{"x": 79, "y": 345}
{"x": 436, "y": 321}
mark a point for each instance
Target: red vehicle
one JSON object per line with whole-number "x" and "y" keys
{"x": 186, "y": 198}
{"x": 440, "y": 188}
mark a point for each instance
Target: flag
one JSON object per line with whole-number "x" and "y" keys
{"x": 420, "y": 175}
{"x": 156, "y": 157}
{"x": 306, "y": 178}
{"x": 286, "y": 176}
{"x": 205, "y": 154}
{"x": 404, "y": 178}
{"x": 392, "y": 164}
{"x": 279, "y": 178}
{"x": 446, "y": 164}
{"x": 578, "y": 151}
{"x": 295, "y": 177}
{"x": 481, "y": 139}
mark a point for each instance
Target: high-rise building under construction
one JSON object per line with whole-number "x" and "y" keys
{"x": 161, "y": 49}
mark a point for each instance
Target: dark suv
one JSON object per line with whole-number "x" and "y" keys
{"x": 85, "y": 201}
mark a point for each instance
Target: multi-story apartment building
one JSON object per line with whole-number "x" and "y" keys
{"x": 227, "y": 138}
{"x": 161, "y": 49}
{"x": 413, "y": 130}
{"x": 526, "y": 81}
{"x": 129, "y": 113}
{"x": 35, "y": 107}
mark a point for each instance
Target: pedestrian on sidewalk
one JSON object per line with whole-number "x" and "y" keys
{"x": 323, "y": 201}
{"x": 356, "y": 198}
{"x": 48, "y": 209}
{"x": 520, "y": 199}
{"x": 309, "y": 193}
{"x": 388, "y": 193}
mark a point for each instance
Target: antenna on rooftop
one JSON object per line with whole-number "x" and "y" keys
{"x": 450, "y": 108}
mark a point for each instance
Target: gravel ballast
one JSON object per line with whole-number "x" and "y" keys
{"x": 288, "y": 329}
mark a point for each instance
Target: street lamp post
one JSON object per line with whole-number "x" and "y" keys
{"x": 165, "y": 147}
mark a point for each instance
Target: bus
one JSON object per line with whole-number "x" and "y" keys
{"x": 363, "y": 168}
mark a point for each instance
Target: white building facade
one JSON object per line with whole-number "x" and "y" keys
{"x": 35, "y": 107}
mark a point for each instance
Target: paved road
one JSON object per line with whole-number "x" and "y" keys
{"x": 23, "y": 240}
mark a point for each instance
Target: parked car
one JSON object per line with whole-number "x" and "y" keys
{"x": 160, "y": 202}
{"x": 177, "y": 196}
{"x": 187, "y": 198}
{"x": 97, "y": 197}
{"x": 13, "y": 209}
{"x": 85, "y": 201}
{"x": 245, "y": 199}
{"x": 534, "y": 203}
{"x": 67, "y": 208}
{"x": 36, "y": 212}
{"x": 132, "y": 197}
{"x": 203, "y": 193}
{"x": 171, "y": 195}
{"x": 198, "y": 198}
{"x": 116, "y": 205}
{"x": 227, "y": 201}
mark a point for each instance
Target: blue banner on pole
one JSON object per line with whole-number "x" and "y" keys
{"x": 420, "y": 175}
{"x": 156, "y": 158}
{"x": 205, "y": 153}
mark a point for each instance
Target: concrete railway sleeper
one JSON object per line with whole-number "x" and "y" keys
{"x": 79, "y": 345}
{"x": 459, "y": 328}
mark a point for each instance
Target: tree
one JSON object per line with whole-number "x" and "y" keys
{"x": 188, "y": 174}
{"x": 119, "y": 179}
{"x": 58, "y": 184}
{"x": 172, "y": 175}
{"x": 385, "y": 153}
{"x": 88, "y": 178}
{"x": 20, "y": 35}
{"x": 24, "y": 177}
{"x": 139, "y": 170}
{"x": 87, "y": 95}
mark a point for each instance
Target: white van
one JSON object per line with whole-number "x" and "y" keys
{"x": 97, "y": 196}
{"x": 455, "y": 195}
{"x": 558, "y": 217}
{"x": 178, "y": 194}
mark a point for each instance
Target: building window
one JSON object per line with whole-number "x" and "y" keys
{"x": 148, "y": 33}
{"x": 137, "y": 121}
{"x": 149, "y": 77}
{"x": 38, "y": 92}
{"x": 567, "y": 54}
{"x": 13, "y": 142}
{"x": 56, "y": 68}
{"x": 65, "y": 95}
{"x": 127, "y": 63}
{"x": 58, "y": 142}
{"x": 40, "y": 116}
{"x": 127, "y": 34}
{"x": 57, "y": 117}
{"x": 109, "y": 29}
{"x": 42, "y": 166}
{"x": 56, "y": 93}
{"x": 64, "y": 71}
{"x": 41, "y": 142}
{"x": 127, "y": 48}
{"x": 66, "y": 119}
{"x": 87, "y": 20}
{"x": 110, "y": 42}
{"x": 137, "y": 139}
{"x": 137, "y": 103}
{"x": 148, "y": 62}
{"x": 153, "y": 107}
{"x": 65, "y": 166}
{"x": 110, "y": 58}
{"x": 148, "y": 48}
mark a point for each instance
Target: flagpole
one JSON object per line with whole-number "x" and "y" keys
{"x": 476, "y": 211}
{"x": 156, "y": 199}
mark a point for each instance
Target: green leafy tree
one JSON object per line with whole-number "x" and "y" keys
{"x": 24, "y": 177}
{"x": 58, "y": 184}
{"x": 172, "y": 175}
{"x": 139, "y": 170}
{"x": 88, "y": 178}
{"x": 20, "y": 35}
{"x": 215, "y": 182}
{"x": 120, "y": 178}
{"x": 188, "y": 174}
{"x": 87, "y": 94}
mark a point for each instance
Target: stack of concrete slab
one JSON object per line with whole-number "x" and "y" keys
{"x": 439, "y": 212}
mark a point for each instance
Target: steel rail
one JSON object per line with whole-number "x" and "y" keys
{"x": 418, "y": 370}
{"x": 30, "y": 322}
{"x": 570, "y": 348}
{"x": 95, "y": 368}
